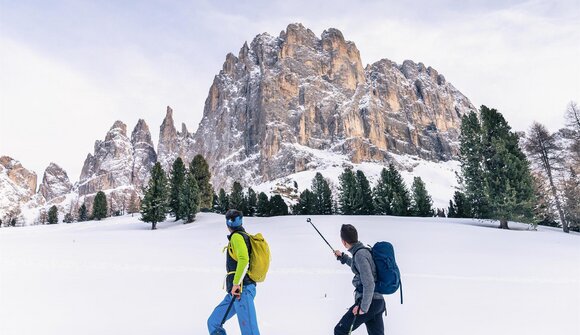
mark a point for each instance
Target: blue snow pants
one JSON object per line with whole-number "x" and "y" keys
{"x": 243, "y": 307}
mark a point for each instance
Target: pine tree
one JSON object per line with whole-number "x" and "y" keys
{"x": 155, "y": 203}
{"x": 390, "y": 195}
{"x": 451, "y": 211}
{"x": 252, "y": 202}
{"x": 100, "y": 206}
{"x": 189, "y": 200}
{"x": 215, "y": 204}
{"x": 383, "y": 194}
{"x": 53, "y": 215}
{"x": 223, "y": 202}
{"x": 83, "y": 213}
{"x": 506, "y": 170}
{"x": 472, "y": 169}
{"x": 177, "y": 181}
{"x": 347, "y": 192}
{"x": 363, "y": 204}
{"x": 263, "y": 207}
{"x": 543, "y": 213}
{"x": 462, "y": 208}
{"x": 68, "y": 218}
{"x": 306, "y": 204}
{"x": 278, "y": 206}
{"x": 322, "y": 195}
{"x": 200, "y": 170}
{"x": 237, "y": 198}
{"x": 421, "y": 204}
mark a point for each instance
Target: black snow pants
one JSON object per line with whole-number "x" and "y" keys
{"x": 373, "y": 319}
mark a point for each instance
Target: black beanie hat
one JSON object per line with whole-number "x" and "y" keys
{"x": 348, "y": 234}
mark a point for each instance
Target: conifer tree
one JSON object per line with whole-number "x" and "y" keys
{"x": 237, "y": 198}
{"x": 451, "y": 211}
{"x": 263, "y": 207}
{"x": 53, "y": 215}
{"x": 278, "y": 206}
{"x": 306, "y": 204}
{"x": 322, "y": 195}
{"x": 507, "y": 173}
{"x": 571, "y": 197}
{"x": 83, "y": 213}
{"x": 189, "y": 198}
{"x": 177, "y": 181}
{"x": 215, "y": 204}
{"x": 252, "y": 202}
{"x": 544, "y": 152}
{"x": 223, "y": 202}
{"x": 462, "y": 209}
{"x": 200, "y": 169}
{"x": 134, "y": 203}
{"x": 100, "y": 206}
{"x": 155, "y": 203}
{"x": 347, "y": 192}
{"x": 363, "y": 203}
{"x": 472, "y": 169}
{"x": 390, "y": 195}
{"x": 421, "y": 204}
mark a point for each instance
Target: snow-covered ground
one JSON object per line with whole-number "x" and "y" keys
{"x": 118, "y": 277}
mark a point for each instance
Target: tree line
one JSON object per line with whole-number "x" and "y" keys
{"x": 498, "y": 181}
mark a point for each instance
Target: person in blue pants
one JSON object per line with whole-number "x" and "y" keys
{"x": 238, "y": 284}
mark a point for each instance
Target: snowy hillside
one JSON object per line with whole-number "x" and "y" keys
{"x": 118, "y": 277}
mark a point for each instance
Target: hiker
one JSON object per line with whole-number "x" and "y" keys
{"x": 239, "y": 286}
{"x": 369, "y": 305}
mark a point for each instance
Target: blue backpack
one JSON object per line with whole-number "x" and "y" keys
{"x": 389, "y": 277}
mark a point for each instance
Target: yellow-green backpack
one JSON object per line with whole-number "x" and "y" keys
{"x": 259, "y": 257}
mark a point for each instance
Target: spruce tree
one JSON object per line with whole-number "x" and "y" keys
{"x": 383, "y": 194}
{"x": 223, "y": 202}
{"x": 83, "y": 213}
{"x": 177, "y": 181}
{"x": 472, "y": 169}
{"x": 252, "y": 202}
{"x": 155, "y": 203}
{"x": 263, "y": 207}
{"x": 200, "y": 170}
{"x": 189, "y": 198}
{"x": 462, "y": 207}
{"x": 421, "y": 204}
{"x": 507, "y": 173}
{"x": 100, "y": 206}
{"x": 237, "y": 198}
{"x": 53, "y": 215}
{"x": 322, "y": 195}
{"x": 278, "y": 206}
{"x": 347, "y": 192}
{"x": 451, "y": 211}
{"x": 215, "y": 204}
{"x": 363, "y": 204}
{"x": 306, "y": 204}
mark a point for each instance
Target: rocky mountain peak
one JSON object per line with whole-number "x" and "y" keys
{"x": 55, "y": 183}
{"x": 17, "y": 186}
{"x": 286, "y": 98}
{"x": 173, "y": 144}
{"x": 144, "y": 156}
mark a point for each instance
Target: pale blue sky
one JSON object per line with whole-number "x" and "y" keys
{"x": 69, "y": 69}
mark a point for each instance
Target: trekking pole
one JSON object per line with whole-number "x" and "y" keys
{"x": 220, "y": 330}
{"x": 310, "y": 221}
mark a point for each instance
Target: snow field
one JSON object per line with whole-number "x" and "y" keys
{"x": 118, "y": 277}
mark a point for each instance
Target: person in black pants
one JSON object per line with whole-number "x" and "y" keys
{"x": 369, "y": 305}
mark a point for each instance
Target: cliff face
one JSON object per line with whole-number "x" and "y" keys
{"x": 17, "y": 186}
{"x": 55, "y": 183}
{"x": 283, "y": 97}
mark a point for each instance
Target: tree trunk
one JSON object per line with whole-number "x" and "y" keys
{"x": 154, "y": 224}
{"x": 503, "y": 224}
{"x": 558, "y": 205}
